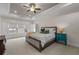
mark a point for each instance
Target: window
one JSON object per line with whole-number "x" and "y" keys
{"x": 19, "y": 28}
{"x": 12, "y": 27}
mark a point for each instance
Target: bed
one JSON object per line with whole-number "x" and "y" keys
{"x": 41, "y": 40}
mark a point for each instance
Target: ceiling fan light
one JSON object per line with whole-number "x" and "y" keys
{"x": 32, "y": 8}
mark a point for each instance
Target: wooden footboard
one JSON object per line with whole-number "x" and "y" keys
{"x": 48, "y": 44}
{"x": 39, "y": 48}
{"x": 30, "y": 40}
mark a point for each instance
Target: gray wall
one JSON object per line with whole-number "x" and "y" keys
{"x": 27, "y": 25}
{"x": 7, "y": 18}
{"x": 68, "y": 17}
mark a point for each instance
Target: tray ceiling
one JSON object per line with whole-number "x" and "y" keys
{"x": 18, "y": 9}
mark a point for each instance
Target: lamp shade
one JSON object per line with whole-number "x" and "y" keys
{"x": 61, "y": 29}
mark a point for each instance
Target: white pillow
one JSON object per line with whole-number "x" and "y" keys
{"x": 51, "y": 30}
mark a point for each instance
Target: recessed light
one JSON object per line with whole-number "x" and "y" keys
{"x": 15, "y": 11}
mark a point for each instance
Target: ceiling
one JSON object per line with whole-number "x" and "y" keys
{"x": 18, "y": 9}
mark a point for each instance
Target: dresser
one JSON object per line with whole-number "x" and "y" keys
{"x": 61, "y": 37}
{"x": 2, "y": 44}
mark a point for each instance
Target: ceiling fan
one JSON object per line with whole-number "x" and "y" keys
{"x": 31, "y": 7}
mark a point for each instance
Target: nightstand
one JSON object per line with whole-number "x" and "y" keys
{"x": 61, "y": 37}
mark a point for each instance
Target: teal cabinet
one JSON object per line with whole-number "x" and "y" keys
{"x": 61, "y": 37}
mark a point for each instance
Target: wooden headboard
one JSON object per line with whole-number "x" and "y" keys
{"x": 55, "y": 28}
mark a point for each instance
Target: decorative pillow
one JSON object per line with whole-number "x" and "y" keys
{"x": 42, "y": 29}
{"x": 52, "y": 30}
{"x": 29, "y": 33}
{"x": 45, "y": 32}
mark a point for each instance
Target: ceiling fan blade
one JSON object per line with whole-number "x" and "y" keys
{"x": 28, "y": 10}
{"x": 26, "y": 6}
{"x": 37, "y": 8}
{"x": 34, "y": 11}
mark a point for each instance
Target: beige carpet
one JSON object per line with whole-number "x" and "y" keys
{"x": 18, "y": 46}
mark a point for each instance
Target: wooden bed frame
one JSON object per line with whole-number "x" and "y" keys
{"x": 40, "y": 46}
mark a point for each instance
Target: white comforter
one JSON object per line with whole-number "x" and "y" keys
{"x": 44, "y": 38}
